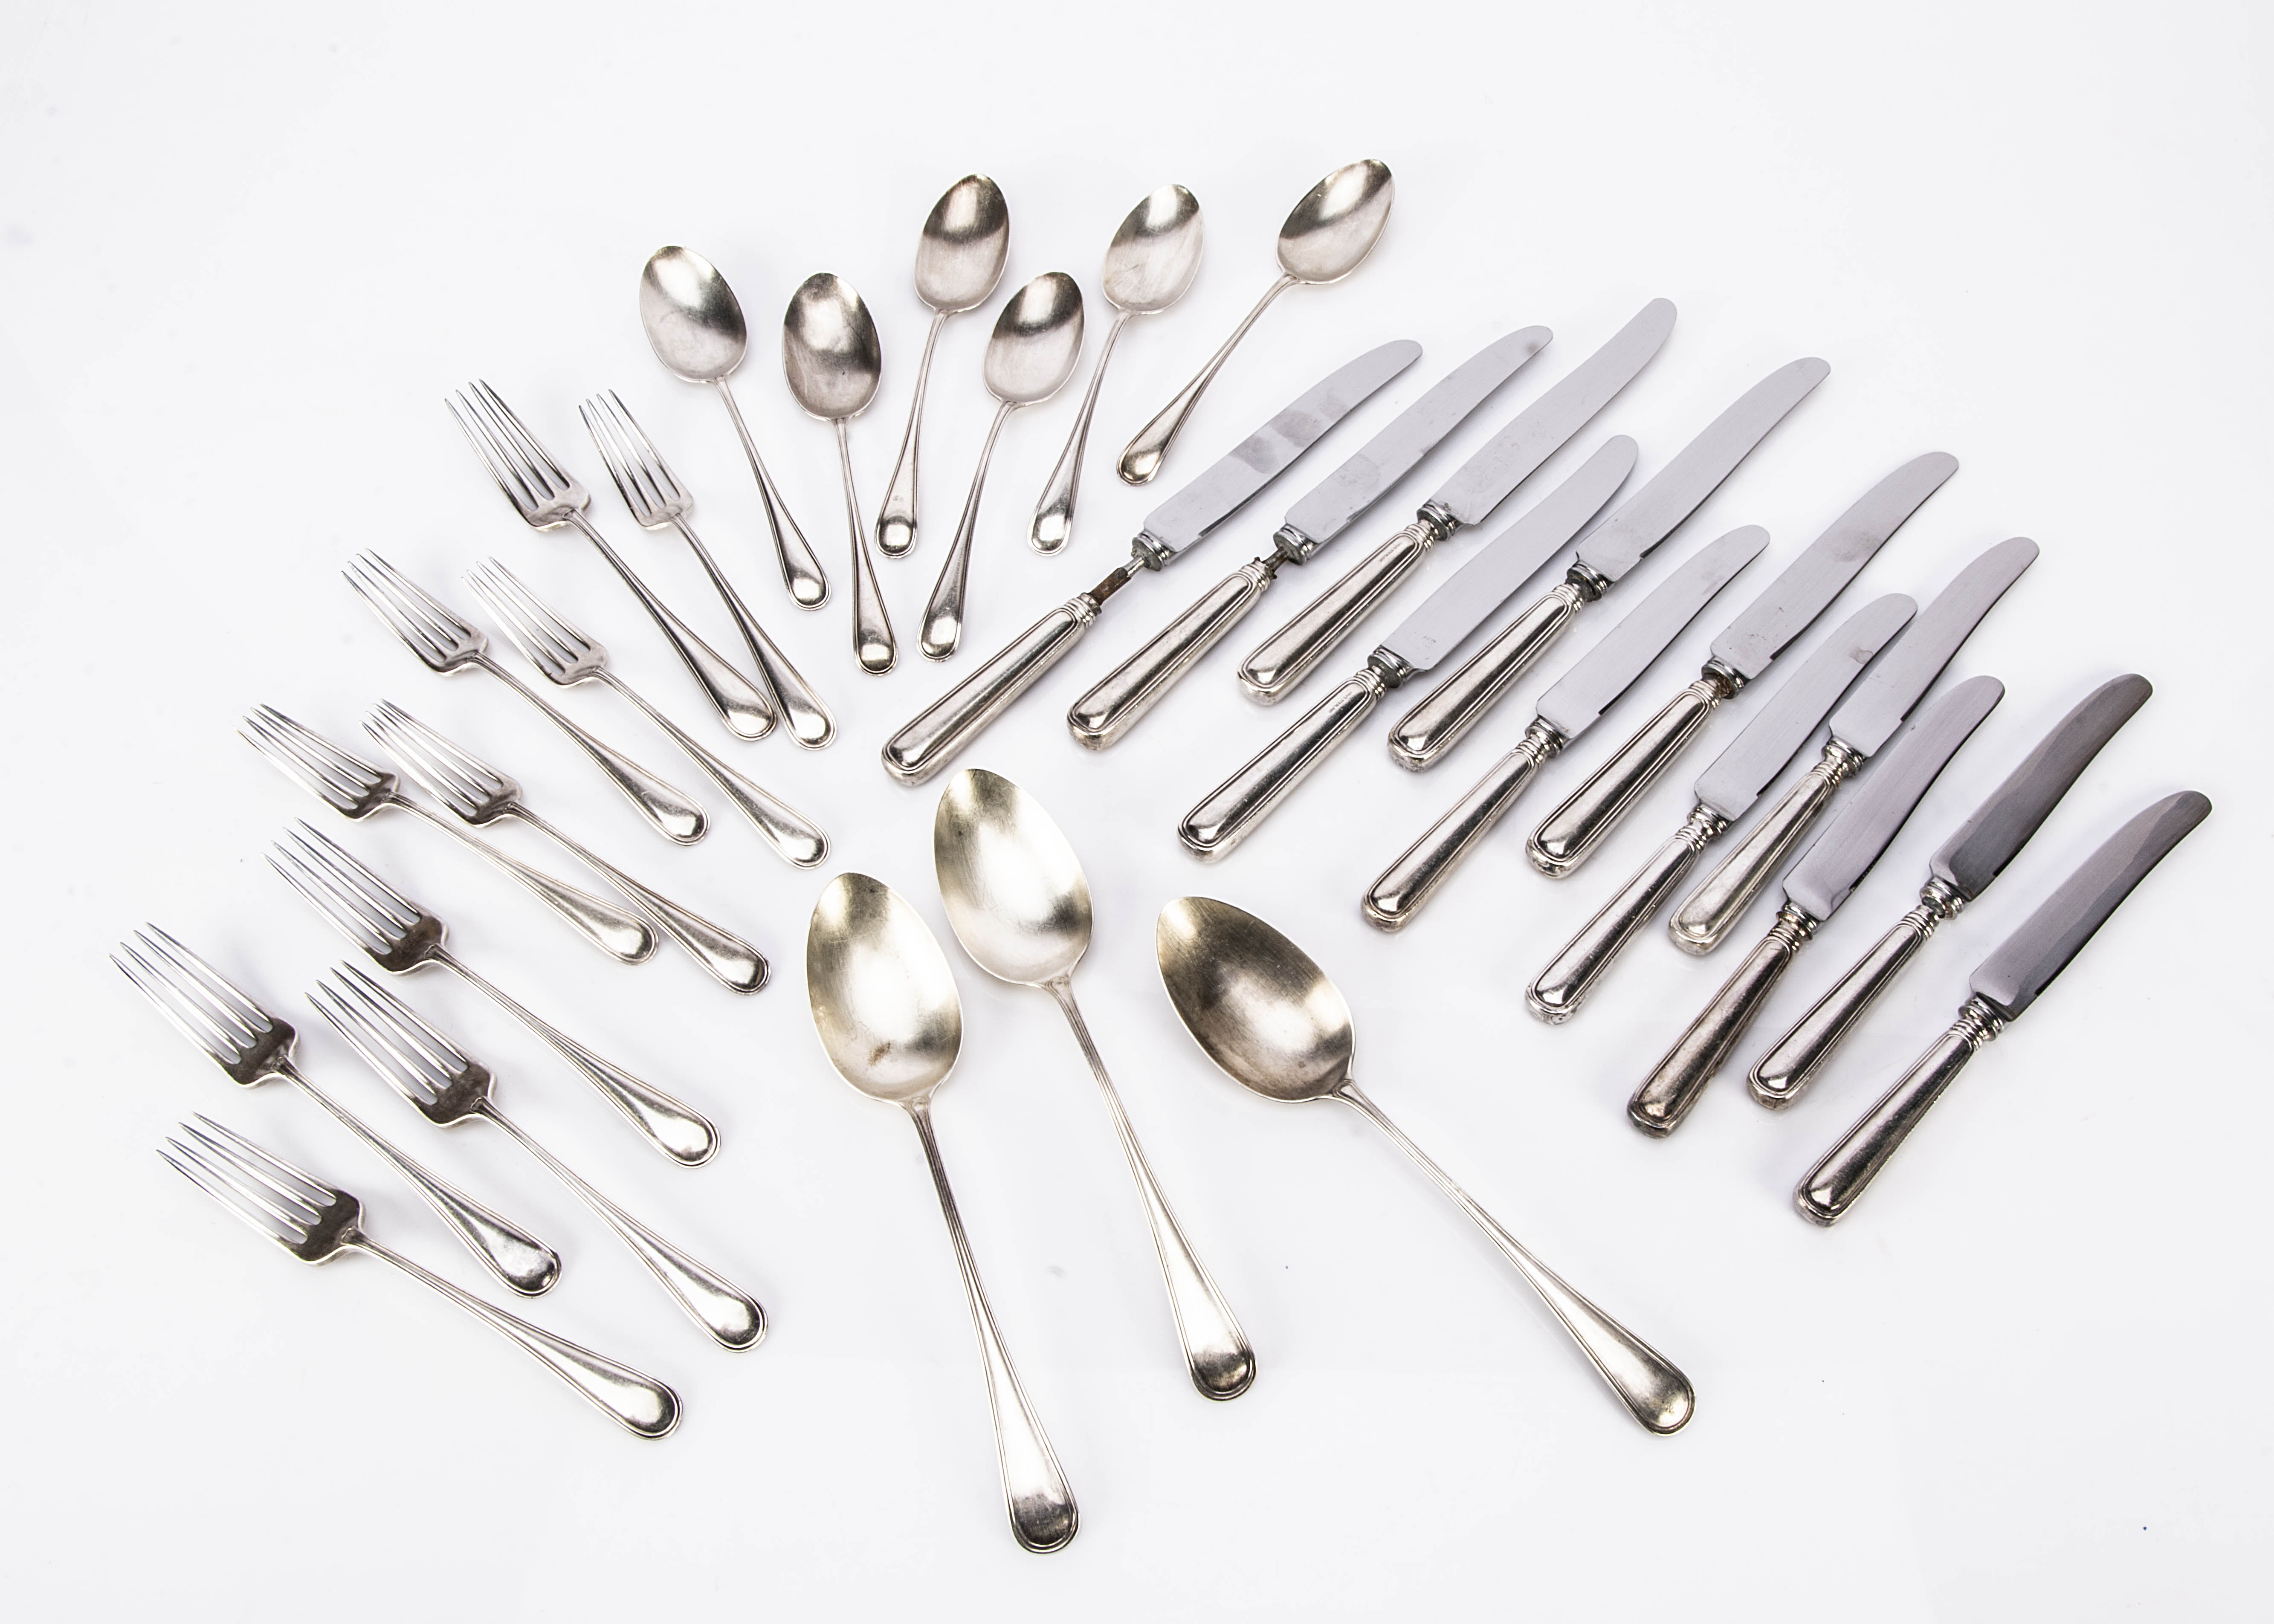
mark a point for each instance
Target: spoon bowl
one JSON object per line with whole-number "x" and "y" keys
{"x": 1015, "y": 893}
{"x": 1155, "y": 253}
{"x": 692, "y": 321}
{"x": 966, "y": 238}
{"x": 1036, "y": 340}
{"x": 831, "y": 358}
{"x": 883, "y": 1001}
{"x": 1331, "y": 232}
{"x": 1257, "y": 1004}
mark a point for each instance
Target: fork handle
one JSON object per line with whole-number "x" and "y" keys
{"x": 675, "y": 817}
{"x": 615, "y": 931}
{"x": 731, "y": 962}
{"x": 640, "y": 1403}
{"x": 809, "y": 721}
{"x": 789, "y": 831}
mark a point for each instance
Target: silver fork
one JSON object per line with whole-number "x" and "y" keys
{"x": 478, "y": 793}
{"x": 401, "y": 936}
{"x": 444, "y": 643}
{"x": 316, "y": 1221}
{"x": 547, "y": 497}
{"x": 567, "y": 657}
{"x": 448, "y": 1086}
{"x": 354, "y": 788}
{"x": 656, "y": 498}
{"x": 250, "y": 1046}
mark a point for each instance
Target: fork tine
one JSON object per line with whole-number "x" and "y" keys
{"x": 303, "y": 1191}
{"x": 444, "y": 624}
{"x": 358, "y": 903}
{"x": 666, "y": 483}
{"x": 192, "y": 1023}
{"x": 518, "y": 436}
{"x": 210, "y": 982}
{"x": 621, "y": 449}
{"x": 543, "y": 638}
{"x": 245, "y": 1208}
{"x": 334, "y": 910}
{"x": 414, "y": 1059}
{"x": 509, "y": 476}
{"x": 436, "y": 762}
{"x": 310, "y": 760}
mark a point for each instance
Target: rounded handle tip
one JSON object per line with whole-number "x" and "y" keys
{"x": 1138, "y": 467}
{"x": 1052, "y": 532}
{"x": 1673, "y": 1410}
{"x": 1552, "y": 1004}
{"x": 1223, "y": 1373}
{"x": 1812, "y": 1204}
{"x": 1655, "y": 1115}
{"x": 658, "y": 1419}
{"x": 895, "y": 537}
{"x": 1043, "y": 1525}
{"x": 876, "y": 657}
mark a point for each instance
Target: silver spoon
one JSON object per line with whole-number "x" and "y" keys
{"x": 830, "y": 358}
{"x": 958, "y": 261}
{"x": 1269, "y": 1016}
{"x": 694, "y": 324}
{"x": 1148, "y": 265}
{"x": 1330, "y": 234}
{"x": 1036, "y": 340}
{"x": 1020, "y": 904}
{"x": 885, "y": 1008}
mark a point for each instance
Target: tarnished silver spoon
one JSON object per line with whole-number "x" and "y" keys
{"x": 831, "y": 356}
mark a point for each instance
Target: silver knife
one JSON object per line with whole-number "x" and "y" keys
{"x": 1623, "y": 540}
{"x": 925, "y": 745}
{"x": 1480, "y": 485}
{"x": 1865, "y": 720}
{"x": 2007, "y": 983}
{"x": 1139, "y": 682}
{"x": 1726, "y": 793}
{"x": 1956, "y": 875}
{"x": 1566, "y": 710}
{"x": 1820, "y": 882}
{"x": 1744, "y": 650}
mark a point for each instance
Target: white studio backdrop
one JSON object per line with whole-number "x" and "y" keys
{"x": 245, "y": 252}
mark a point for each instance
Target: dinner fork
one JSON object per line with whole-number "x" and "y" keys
{"x": 401, "y": 936}
{"x": 316, "y": 1221}
{"x": 478, "y": 793}
{"x": 252, "y": 1046}
{"x": 546, "y": 497}
{"x": 567, "y": 657}
{"x": 656, "y": 498}
{"x": 444, "y": 643}
{"x": 448, "y": 1086}
{"x": 354, "y": 788}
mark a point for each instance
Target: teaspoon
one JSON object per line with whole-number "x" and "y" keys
{"x": 831, "y": 356}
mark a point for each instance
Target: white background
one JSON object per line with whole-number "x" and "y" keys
{"x": 246, "y": 249}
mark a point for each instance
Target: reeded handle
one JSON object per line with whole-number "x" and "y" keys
{"x": 1396, "y": 897}
{"x": 1142, "y": 680}
{"x": 1708, "y": 914}
{"x": 809, "y": 721}
{"x": 1569, "y": 833}
{"x": 873, "y": 644}
{"x": 959, "y": 715}
{"x": 1848, "y": 1167}
{"x": 731, "y": 961}
{"x": 896, "y": 520}
{"x": 1792, "y": 1064}
{"x": 1231, "y": 811}
{"x": 1053, "y": 524}
{"x": 1286, "y": 657}
{"x": 1141, "y": 457}
{"x": 802, "y": 576}
{"x": 1564, "y": 986}
{"x": 943, "y": 621}
{"x": 789, "y": 831}
{"x": 1674, "y": 1086}
{"x": 1445, "y": 715}
{"x": 641, "y": 1402}
{"x": 614, "y": 931}
{"x": 673, "y": 814}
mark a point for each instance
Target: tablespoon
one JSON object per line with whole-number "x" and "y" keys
{"x": 694, "y": 324}
{"x": 958, "y": 261}
{"x": 1148, "y": 265}
{"x": 831, "y": 356}
{"x": 1328, "y": 236}
{"x": 1036, "y": 340}
{"x": 1018, "y": 902}
{"x": 885, "y": 1008}
{"x": 1270, "y": 1018}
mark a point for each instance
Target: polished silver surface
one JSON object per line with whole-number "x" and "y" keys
{"x": 1030, "y": 355}
{"x": 316, "y": 1221}
{"x": 1325, "y": 237}
{"x": 1267, "y": 1015}
{"x": 831, "y": 360}
{"x": 694, "y": 324}
{"x": 958, "y": 261}
{"x": 1018, "y": 900}
{"x": 252, "y": 1047}
{"x": 885, "y": 1008}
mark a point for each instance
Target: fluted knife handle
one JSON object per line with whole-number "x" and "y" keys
{"x": 1235, "y": 806}
{"x": 1792, "y": 1062}
{"x": 1572, "y": 974}
{"x": 1569, "y": 833}
{"x": 1849, "y": 1167}
{"x": 1288, "y": 655}
{"x": 1445, "y": 715}
{"x": 1397, "y": 896}
{"x": 1142, "y": 681}
{"x": 1674, "y": 1084}
{"x": 1706, "y": 915}
{"x": 959, "y": 715}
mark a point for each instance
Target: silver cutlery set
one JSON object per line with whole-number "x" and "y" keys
{"x": 882, "y": 993}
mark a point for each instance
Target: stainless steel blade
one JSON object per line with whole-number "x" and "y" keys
{"x": 1797, "y": 709}
{"x": 1869, "y": 716}
{"x": 1366, "y": 477}
{"x": 1483, "y": 482}
{"x": 2002, "y": 825}
{"x": 1811, "y": 582}
{"x": 1821, "y": 881}
{"x": 1474, "y": 592}
{"x": 1225, "y": 486}
{"x": 1675, "y": 491}
{"x": 1610, "y": 668}
{"x": 2025, "y": 964}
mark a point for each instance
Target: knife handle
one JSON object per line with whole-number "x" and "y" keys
{"x": 1779, "y": 1075}
{"x": 1234, "y": 808}
{"x": 1706, "y": 916}
{"x": 1394, "y": 898}
{"x": 1574, "y": 830}
{"x": 1673, "y": 1088}
{"x": 1832, "y": 1185}
{"x": 1142, "y": 680}
{"x": 1572, "y": 974}
{"x": 1448, "y": 711}
{"x": 928, "y": 743}
{"x": 1286, "y": 657}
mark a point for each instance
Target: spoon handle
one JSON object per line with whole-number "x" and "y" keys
{"x": 790, "y": 832}
{"x": 872, "y": 628}
{"x": 1141, "y": 457}
{"x": 1043, "y": 1516}
{"x": 1053, "y": 525}
{"x": 673, "y": 816}
{"x": 809, "y": 721}
{"x": 617, "y": 932}
{"x": 1659, "y": 1395}
{"x": 807, "y": 587}
{"x": 942, "y": 623}
{"x": 925, "y": 745}
{"x": 731, "y": 962}
{"x": 896, "y": 520}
